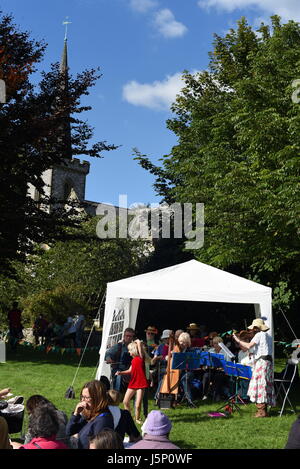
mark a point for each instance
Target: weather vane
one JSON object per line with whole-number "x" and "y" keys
{"x": 66, "y": 23}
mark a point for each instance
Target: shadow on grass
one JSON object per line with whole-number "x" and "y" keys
{"x": 183, "y": 445}
{"x": 192, "y": 418}
{"x": 36, "y": 357}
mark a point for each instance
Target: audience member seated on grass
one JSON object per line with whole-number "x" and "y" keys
{"x": 4, "y": 392}
{"x": 68, "y": 333}
{"x": 123, "y": 421}
{"x": 104, "y": 380}
{"x": 32, "y": 403}
{"x": 107, "y": 439}
{"x": 4, "y": 438}
{"x": 35, "y": 401}
{"x": 79, "y": 324}
{"x": 43, "y": 427}
{"x": 293, "y": 441}
{"x": 157, "y": 428}
{"x": 91, "y": 414}
{"x": 53, "y": 333}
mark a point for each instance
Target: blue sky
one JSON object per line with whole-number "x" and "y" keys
{"x": 141, "y": 47}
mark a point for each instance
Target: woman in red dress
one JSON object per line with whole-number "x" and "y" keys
{"x": 138, "y": 382}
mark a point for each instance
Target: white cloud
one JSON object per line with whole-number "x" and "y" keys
{"x": 166, "y": 24}
{"x": 142, "y": 6}
{"x": 158, "y": 95}
{"x": 287, "y": 9}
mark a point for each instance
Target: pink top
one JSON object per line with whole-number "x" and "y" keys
{"x": 44, "y": 443}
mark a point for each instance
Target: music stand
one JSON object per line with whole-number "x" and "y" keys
{"x": 185, "y": 361}
{"x": 236, "y": 370}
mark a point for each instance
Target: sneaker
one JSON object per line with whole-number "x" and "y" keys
{"x": 204, "y": 398}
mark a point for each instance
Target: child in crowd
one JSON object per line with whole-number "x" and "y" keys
{"x": 123, "y": 422}
{"x": 107, "y": 439}
{"x": 138, "y": 382}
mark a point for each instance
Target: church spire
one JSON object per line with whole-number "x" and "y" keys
{"x": 64, "y": 71}
{"x": 64, "y": 58}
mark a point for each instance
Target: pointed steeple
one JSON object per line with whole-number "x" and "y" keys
{"x": 66, "y": 127}
{"x": 64, "y": 58}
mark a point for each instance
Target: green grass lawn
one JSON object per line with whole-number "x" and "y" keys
{"x": 28, "y": 372}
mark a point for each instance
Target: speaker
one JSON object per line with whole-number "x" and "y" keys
{"x": 165, "y": 401}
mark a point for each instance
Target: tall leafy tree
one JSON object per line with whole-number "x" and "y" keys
{"x": 238, "y": 152}
{"x": 32, "y": 124}
{"x": 76, "y": 271}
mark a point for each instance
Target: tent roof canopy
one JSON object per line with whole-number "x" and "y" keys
{"x": 190, "y": 281}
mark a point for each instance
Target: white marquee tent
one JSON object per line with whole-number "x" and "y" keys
{"x": 189, "y": 281}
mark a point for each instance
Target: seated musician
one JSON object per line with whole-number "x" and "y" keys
{"x": 186, "y": 376}
{"x": 208, "y": 341}
{"x": 176, "y": 335}
{"x": 159, "y": 358}
{"x": 245, "y": 357}
{"x": 214, "y": 381}
{"x": 151, "y": 342}
{"x": 119, "y": 359}
{"x": 193, "y": 330}
{"x": 151, "y": 372}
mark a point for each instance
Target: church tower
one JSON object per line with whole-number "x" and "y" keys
{"x": 66, "y": 181}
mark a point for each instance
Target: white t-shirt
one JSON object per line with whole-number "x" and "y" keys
{"x": 244, "y": 358}
{"x": 263, "y": 345}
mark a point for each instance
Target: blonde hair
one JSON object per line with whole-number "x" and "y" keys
{"x": 185, "y": 337}
{"x": 114, "y": 397}
{"x": 134, "y": 349}
{"x": 217, "y": 340}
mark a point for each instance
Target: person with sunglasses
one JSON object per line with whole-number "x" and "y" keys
{"x": 151, "y": 342}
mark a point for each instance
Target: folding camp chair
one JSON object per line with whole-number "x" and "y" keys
{"x": 284, "y": 384}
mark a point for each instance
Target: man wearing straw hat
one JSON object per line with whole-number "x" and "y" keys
{"x": 193, "y": 329}
{"x": 151, "y": 343}
{"x": 261, "y": 387}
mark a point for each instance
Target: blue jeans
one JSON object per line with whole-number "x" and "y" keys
{"x": 117, "y": 383}
{"x": 162, "y": 372}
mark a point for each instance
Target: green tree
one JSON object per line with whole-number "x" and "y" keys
{"x": 33, "y": 122}
{"x": 72, "y": 275}
{"x": 238, "y": 153}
